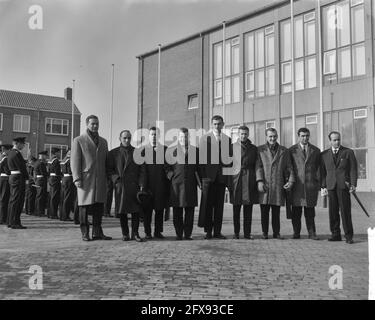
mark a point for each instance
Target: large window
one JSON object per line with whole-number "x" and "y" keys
{"x": 231, "y": 72}
{"x": 352, "y": 124}
{"x": 258, "y": 131}
{"x": 63, "y": 149}
{"x": 57, "y": 126}
{"x": 1, "y": 121}
{"x": 308, "y": 121}
{"x": 343, "y": 41}
{"x": 21, "y": 123}
{"x": 260, "y": 63}
{"x": 304, "y": 53}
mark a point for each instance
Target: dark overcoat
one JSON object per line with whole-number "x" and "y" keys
{"x": 127, "y": 177}
{"x": 156, "y": 179}
{"x": 243, "y": 185}
{"x": 277, "y": 172}
{"x": 307, "y": 185}
{"x": 182, "y": 175}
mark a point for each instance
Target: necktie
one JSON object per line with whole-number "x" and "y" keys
{"x": 335, "y": 152}
{"x": 304, "y": 151}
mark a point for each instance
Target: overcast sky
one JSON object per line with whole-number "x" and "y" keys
{"x": 80, "y": 40}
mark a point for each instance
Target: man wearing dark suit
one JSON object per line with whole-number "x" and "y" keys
{"x": 54, "y": 181}
{"x": 30, "y": 188}
{"x": 306, "y": 163}
{"x": 128, "y": 178}
{"x": 4, "y": 183}
{"x": 17, "y": 181}
{"x": 68, "y": 189}
{"x": 157, "y": 184}
{"x": 41, "y": 175}
{"x": 182, "y": 170}
{"x": 338, "y": 180}
{"x": 278, "y": 178}
{"x": 214, "y": 152}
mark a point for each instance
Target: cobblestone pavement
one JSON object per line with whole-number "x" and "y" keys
{"x": 169, "y": 269}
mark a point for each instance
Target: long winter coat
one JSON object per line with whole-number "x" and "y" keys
{"x": 182, "y": 175}
{"x": 243, "y": 186}
{"x": 88, "y": 163}
{"x": 127, "y": 177}
{"x": 277, "y": 172}
{"x": 307, "y": 185}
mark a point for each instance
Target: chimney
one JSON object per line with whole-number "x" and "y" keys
{"x": 68, "y": 93}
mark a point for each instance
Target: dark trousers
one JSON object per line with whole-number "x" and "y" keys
{"x": 54, "y": 200}
{"x": 67, "y": 197}
{"x": 339, "y": 200}
{"x": 96, "y": 210}
{"x": 76, "y": 207}
{"x": 17, "y": 199}
{"x": 265, "y": 217}
{"x": 124, "y": 223}
{"x": 108, "y": 205}
{"x": 247, "y": 218}
{"x": 158, "y": 220}
{"x": 30, "y": 199}
{"x": 183, "y": 225}
{"x": 309, "y": 218}
{"x": 4, "y": 199}
{"x": 215, "y": 207}
{"x": 41, "y": 196}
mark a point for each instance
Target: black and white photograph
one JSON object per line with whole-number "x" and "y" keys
{"x": 187, "y": 154}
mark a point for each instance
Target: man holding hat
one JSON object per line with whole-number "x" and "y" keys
{"x": 41, "y": 175}
{"x": 54, "y": 181}
{"x": 17, "y": 180}
{"x": 4, "y": 183}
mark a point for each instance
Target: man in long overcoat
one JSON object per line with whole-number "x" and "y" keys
{"x": 157, "y": 184}
{"x": 128, "y": 178}
{"x": 182, "y": 170}
{"x": 88, "y": 163}
{"x": 243, "y": 185}
{"x": 278, "y": 178}
{"x": 304, "y": 195}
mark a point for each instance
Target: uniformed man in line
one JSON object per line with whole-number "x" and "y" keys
{"x": 41, "y": 176}
{"x": 30, "y": 188}
{"x": 17, "y": 181}
{"x": 68, "y": 189}
{"x": 54, "y": 182}
{"x": 4, "y": 183}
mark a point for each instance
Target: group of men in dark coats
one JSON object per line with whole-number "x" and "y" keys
{"x": 25, "y": 184}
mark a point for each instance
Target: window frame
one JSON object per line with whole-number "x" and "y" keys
{"x": 23, "y": 117}
{"x": 62, "y": 126}
{"x": 190, "y": 99}
{"x": 52, "y": 145}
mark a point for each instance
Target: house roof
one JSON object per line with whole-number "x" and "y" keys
{"x": 32, "y": 101}
{"x": 274, "y": 4}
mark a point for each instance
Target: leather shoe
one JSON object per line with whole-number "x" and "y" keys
{"x": 265, "y": 236}
{"x": 313, "y": 237}
{"x": 159, "y": 236}
{"x": 349, "y": 241}
{"x": 277, "y": 236}
{"x": 137, "y": 238}
{"x": 296, "y": 236}
{"x": 179, "y": 238}
{"x": 236, "y": 236}
{"x": 189, "y": 238}
{"x": 249, "y": 237}
{"x": 18, "y": 227}
{"x": 220, "y": 236}
{"x": 208, "y": 236}
{"x": 86, "y": 238}
{"x": 334, "y": 238}
{"x": 102, "y": 237}
{"x": 148, "y": 236}
{"x": 126, "y": 238}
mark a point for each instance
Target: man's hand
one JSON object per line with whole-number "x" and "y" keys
{"x": 352, "y": 189}
{"x": 288, "y": 185}
{"x": 78, "y": 184}
{"x": 261, "y": 187}
{"x": 323, "y": 192}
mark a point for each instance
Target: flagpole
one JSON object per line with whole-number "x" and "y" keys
{"x": 223, "y": 58}
{"x": 72, "y": 130}
{"x": 111, "y": 112}
{"x": 321, "y": 114}
{"x": 159, "y": 59}
{"x": 293, "y": 80}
